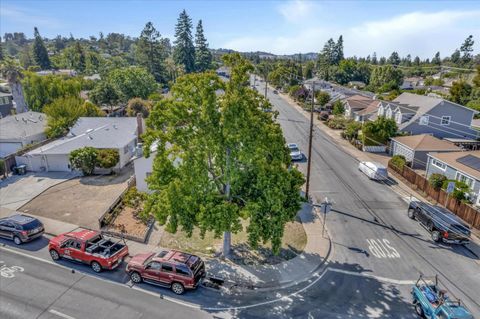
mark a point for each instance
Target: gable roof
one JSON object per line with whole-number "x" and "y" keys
{"x": 451, "y": 159}
{"x": 426, "y": 142}
{"x": 358, "y": 102}
{"x": 22, "y": 126}
{"x": 98, "y": 132}
{"x": 371, "y": 108}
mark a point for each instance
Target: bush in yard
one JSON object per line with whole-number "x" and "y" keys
{"x": 2, "y": 167}
{"x": 351, "y": 130}
{"x": 436, "y": 180}
{"x": 461, "y": 189}
{"x": 107, "y": 158}
{"x": 84, "y": 159}
{"x": 398, "y": 161}
{"x": 337, "y": 123}
{"x": 133, "y": 198}
{"x": 338, "y": 108}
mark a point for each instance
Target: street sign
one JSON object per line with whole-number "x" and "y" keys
{"x": 450, "y": 187}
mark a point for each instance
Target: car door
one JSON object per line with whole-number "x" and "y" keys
{"x": 423, "y": 216}
{"x": 65, "y": 249}
{"x": 167, "y": 273}
{"x": 152, "y": 271}
{"x": 7, "y": 230}
{"x": 75, "y": 248}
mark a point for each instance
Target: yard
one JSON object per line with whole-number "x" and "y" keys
{"x": 80, "y": 201}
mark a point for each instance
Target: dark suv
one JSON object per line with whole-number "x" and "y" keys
{"x": 168, "y": 268}
{"x": 442, "y": 224}
{"x": 20, "y": 228}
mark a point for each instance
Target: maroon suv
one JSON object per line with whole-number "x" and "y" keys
{"x": 168, "y": 268}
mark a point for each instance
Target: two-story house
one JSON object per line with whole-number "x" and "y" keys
{"x": 419, "y": 114}
{"x": 359, "y": 107}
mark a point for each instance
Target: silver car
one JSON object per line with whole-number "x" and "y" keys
{"x": 295, "y": 153}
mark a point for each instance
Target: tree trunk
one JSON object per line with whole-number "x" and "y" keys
{"x": 17, "y": 93}
{"x": 227, "y": 243}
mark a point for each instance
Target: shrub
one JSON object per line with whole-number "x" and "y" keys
{"x": 338, "y": 108}
{"x": 398, "y": 161}
{"x": 138, "y": 105}
{"x": 436, "y": 180}
{"x": 338, "y": 123}
{"x": 461, "y": 189}
{"x": 84, "y": 159}
{"x": 2, "y": 167}
{"x": 133, "y": 198}
{"x": 351, "y": 130}
{"x": 107, "y": 158}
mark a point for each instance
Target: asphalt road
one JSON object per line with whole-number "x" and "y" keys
{"x": 372, "y": 235}
{"x": 378, "y": 253}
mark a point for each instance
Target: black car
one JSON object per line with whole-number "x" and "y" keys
{"x": 442, "y": 224}
{"x": 20, "y": 228}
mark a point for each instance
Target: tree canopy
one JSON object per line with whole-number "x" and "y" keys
{"x": 40, "y": 53}
{"x": 151, "y": 52}
{"x": 184, "y": 51}
{"x": 203, "y": 57}
{"x": 220, "y": 159}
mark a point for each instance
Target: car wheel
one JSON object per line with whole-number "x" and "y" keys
{"x": 135, "y": 277}
{"x": 419, "y": 310}
{"x": 54, "y": 254}
{"x": 96, "y": 267}
{"x": 411, "y": 214}
{"x": 17, "y": 240}
{"x": 178, "y": 288}
{"x": 436, "y": 236}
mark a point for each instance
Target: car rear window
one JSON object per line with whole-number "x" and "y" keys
{"x": 31, "y": 225}
{"x": 294, "y": 149}
{"x": 382, "y": 171}
{"x": 182, "y": 270}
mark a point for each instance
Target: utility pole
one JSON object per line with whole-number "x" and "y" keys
{"x": 310, "y": 136}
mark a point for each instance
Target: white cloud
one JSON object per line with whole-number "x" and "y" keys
{"x": 296, "y": 10}
{"x": 25, "y": 16}
{"x": 417, "y": 33}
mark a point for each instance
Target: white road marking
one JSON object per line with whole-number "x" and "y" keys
{"x": 9, "y": 272}
{"x": 60, "y": 314}
{"x": 381, "y": 248}
{"x": 379, "y": 278}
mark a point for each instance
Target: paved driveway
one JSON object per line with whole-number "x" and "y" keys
{"x": 80, "y": 201}
{"x": 17, "y": 190}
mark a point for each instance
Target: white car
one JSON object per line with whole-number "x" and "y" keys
{"x": 374, "y": 171}
{"x": 295, "y": 153}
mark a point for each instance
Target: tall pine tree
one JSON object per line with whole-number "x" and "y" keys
{"x": 184, "y": 52}
{"x": 203, "y": 57}
{"x": 40, "y": 54}
{"x": 151, "y": 52}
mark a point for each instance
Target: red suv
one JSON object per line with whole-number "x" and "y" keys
{"x": 168, "y": 268}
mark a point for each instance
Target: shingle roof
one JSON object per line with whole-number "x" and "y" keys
{"x": 358, "y": 102}
{"x": 426, "y": 142}
{"x": 98, "y": 132}
{"x": 451, "y": 160}
{"x": 371, "y": 108}
{"x": 23, "y": 125}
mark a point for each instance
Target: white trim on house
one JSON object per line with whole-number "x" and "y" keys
{"x": 465, "y": 177}
{"x": 439, "y": 164}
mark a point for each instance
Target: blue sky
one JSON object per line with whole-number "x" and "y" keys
{"x": 415, "y": 27}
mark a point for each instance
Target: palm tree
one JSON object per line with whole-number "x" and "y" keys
{"x": 12, "y": 72}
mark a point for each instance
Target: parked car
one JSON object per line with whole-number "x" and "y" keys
{"x": 440, "y": 222}
{"x": 89, "y": 247}
{"x": 431, "y": 300}
{"x": 275, "y": 92}
{"x": 168, "y": 268}
{"x": 374, "y": 171}
{"x": 295, "y": 153}
{"x": 21, "y": 228}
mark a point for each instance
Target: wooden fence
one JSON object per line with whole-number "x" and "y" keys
{"x": 419, "y": 183}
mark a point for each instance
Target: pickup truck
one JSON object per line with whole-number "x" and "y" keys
{"x": 89, "y": 247}
{"x": 440, "y": 222}
{"x": 432, "y": 301}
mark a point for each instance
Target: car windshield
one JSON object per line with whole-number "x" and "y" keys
{"x": 31, "y": 225}
{"x": 294, "y": 149}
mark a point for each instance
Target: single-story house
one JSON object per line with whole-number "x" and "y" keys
{"x": 415, "y": 148}
{"x": 420, "y": 114}
{"x": 359, "y": 107}
{"x": 17, "y": 131}
{"x": 460, "y": 166}
{"x": 120, "y": 133}
{"x": 6, "y": 104}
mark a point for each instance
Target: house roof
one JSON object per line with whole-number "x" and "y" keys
{"x": 371, "y": 108}
{"x": 426, "y": 142}
{"x": 2, "y": 94}
{"x": 451, "y": 159}
{"x": 358, "y": 102}
{"x": 98, "y": 132}
{"x": 21, "y": 126}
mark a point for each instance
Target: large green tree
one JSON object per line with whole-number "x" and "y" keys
{"x": 40, "y": 53}
{"x": 221, "y": 159}
{"x": 378, "y": 132}
{"x": 132, "y": 82}
{"x": 385, "y": 78}
{"x": 184, "y": 51}
{"x": 460, "y": 92}
{"x": 151, "y": 53}
{"x": 203, "y": 57}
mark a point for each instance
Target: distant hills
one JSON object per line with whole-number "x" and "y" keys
{"x": 268, "y": 55}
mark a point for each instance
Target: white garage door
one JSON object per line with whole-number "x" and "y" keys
{"x": 58, "y": 163}
{"x": 9, "y": 148}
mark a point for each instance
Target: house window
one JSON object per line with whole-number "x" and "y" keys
{"x": 424, "y": 120}
{"x": 446, "y": 120}
{"x": 398, "y": 118}
{"x": 439, "y": 164}
{"x": 465, "y": 179}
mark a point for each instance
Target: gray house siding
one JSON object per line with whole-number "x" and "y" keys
{"x": 459, "y": 126}
{"x": 418, "y": 159}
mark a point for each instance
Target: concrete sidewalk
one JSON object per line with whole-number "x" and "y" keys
{"x": 401, "y": 188}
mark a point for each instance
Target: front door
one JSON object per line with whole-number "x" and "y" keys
{"x": 152, "y": 271}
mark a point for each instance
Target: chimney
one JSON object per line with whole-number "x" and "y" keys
{"x": 139, "y": 125}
